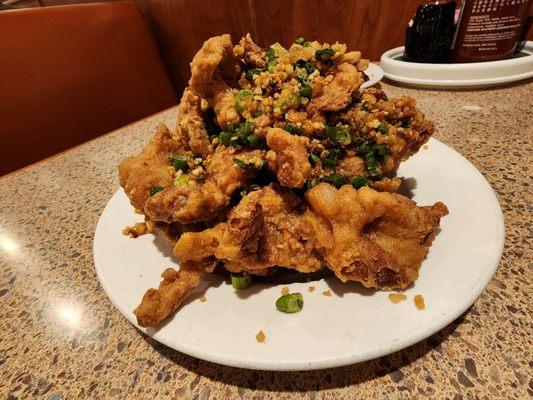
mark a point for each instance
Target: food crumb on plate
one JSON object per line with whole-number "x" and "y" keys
{"x": 397, "y": 297}
{"x": 311, "y": 288}
{"x": 260, "y": 337}
{"x": 425, "y": 147}
{"x": 203, "y": 299}
{"x": 419, "y": 302}
{"x": 135, "y": 231}
{"x": 327, "y": 293}
{"x": 284, "y": 290}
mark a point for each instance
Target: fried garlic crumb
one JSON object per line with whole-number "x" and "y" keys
{"x": 135, "y": 231}
{"x": 285, "y": 290}
{"x": 203, "y": 299}
{"x": 137, "y": 211}
{"x": 327, "y": 293}
{"x": 311, "y": 288}
{"x": 397, "y": 297}
{"x": 425, "y": 147}
{"x": 260, "y": 337}
{"x": 419, "y": 302}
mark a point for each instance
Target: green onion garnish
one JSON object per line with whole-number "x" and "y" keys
{"x": 254, "y": 71}
{"x": 292, "y": 129}
{"x": 329, "y": 162}
{"x": 324, "y": 54}
{"x": 253, "y": 140}
{"x": 314, "y": 158}
{"x": 179, "y": 163}
{"x": 338, "y": 135}
{"x": 335, "y": 179}
{"x": 155, "y": 189}
{"x": 290, "y": 303}
{"x": 241, "y": 281}
{"x": 302, "y": 41}
{"x": 359, "y": 182}
{"x": 239, "y": 97}
{"x": 306, "y": 91}
{"x": 383, "y": 127}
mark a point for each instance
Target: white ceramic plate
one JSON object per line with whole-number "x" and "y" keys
{"x": 374, "y": 73}
{"x": 460, "y": 75}
{"x": 353, "y": 325}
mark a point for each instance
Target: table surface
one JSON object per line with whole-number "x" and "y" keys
{"x": 60, "y": 337}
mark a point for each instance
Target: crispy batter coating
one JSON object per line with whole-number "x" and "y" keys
{"x": 158, "y": 304}
{"x": 190, "y": 127}
{"x": 288, "y": 158}
{"x": 213, "y": 68}
{"x": 337, "y": 94}
{"x": 197, "y": 202}
{"x": 301, "y": 110}
{"x": 379, "y": 239}
{"x": 251, "y": 53}
{"x": 150, "y": 168}
{"x": 269, "y": 227}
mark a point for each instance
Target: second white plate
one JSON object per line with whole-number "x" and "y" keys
{"x": 353, "y": 325}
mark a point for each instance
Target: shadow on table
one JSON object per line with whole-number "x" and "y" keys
{"x": 296, "y": 381}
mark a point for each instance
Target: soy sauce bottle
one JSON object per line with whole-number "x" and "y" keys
{"x": 429, "y": 35}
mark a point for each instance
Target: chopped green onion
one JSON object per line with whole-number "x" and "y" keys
{"x": 306, "y": 91}
{"x": 324, "y": 54}
{"x": 292, "y": 129}
{"x": 383, "y": 127}
{"x": 257, "y": 113}
{"x": 363, "y": 107}
{"x": 370, "y": 163}
{"x": 382, "y": 150}
{"x": 155, "y": 189}
{"x": 290, "y": 303}
{"x": 310, "y": 68}
{"x": 314, "y": 158}
{"x": 179, "y": 163}
{"x": 241, "y": 281}
{"x": 302, "y": 74}
{"x": 302, "y": 41}
{"x": 335, "y": 179}
{"x": 225, "y": 138}
{"x": 359, "y": 182}
{"x": 329, "y": 162}
{"x": 338, "y": 136}
{"x": 239, "y": 97}
{"x": 242, "y": 164}
{"x": 182, "y": 180}
{"x": 272, "y": 65}
{"x": 252, "y": 72}
{"x": 253, "y": 139}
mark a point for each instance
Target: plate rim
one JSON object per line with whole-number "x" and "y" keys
{"x": 287, "y": 365}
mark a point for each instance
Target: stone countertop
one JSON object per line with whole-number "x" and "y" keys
{"x": 60, "y": 337}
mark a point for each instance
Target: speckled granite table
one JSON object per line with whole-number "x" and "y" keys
{"x": 60, "y": 337}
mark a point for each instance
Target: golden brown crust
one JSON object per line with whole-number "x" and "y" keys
{"x": 150, "y": 168}
{"x": 158, "y": 304}
{"x": 378, "y": 239}
{"x": 290, "y": 158}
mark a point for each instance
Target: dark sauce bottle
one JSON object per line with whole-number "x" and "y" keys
{"x": 429, "y": 35}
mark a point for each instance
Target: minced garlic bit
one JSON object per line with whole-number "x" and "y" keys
{"x": 285, "y": 290}
{"x": 311, "y": 288}
{"x": 419, "y": 302}
{"x": 203, "y": 299}
{"x": 135, "y": 231}
{"x": 260, "y": 337}
{"x": 397, "y": 297}
{"x": 327, "y": 293}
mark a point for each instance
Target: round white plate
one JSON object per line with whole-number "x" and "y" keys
{"x": 374, "y": 73}
{"x": 353, "y": 325}
{"x": 460, "y": 75}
